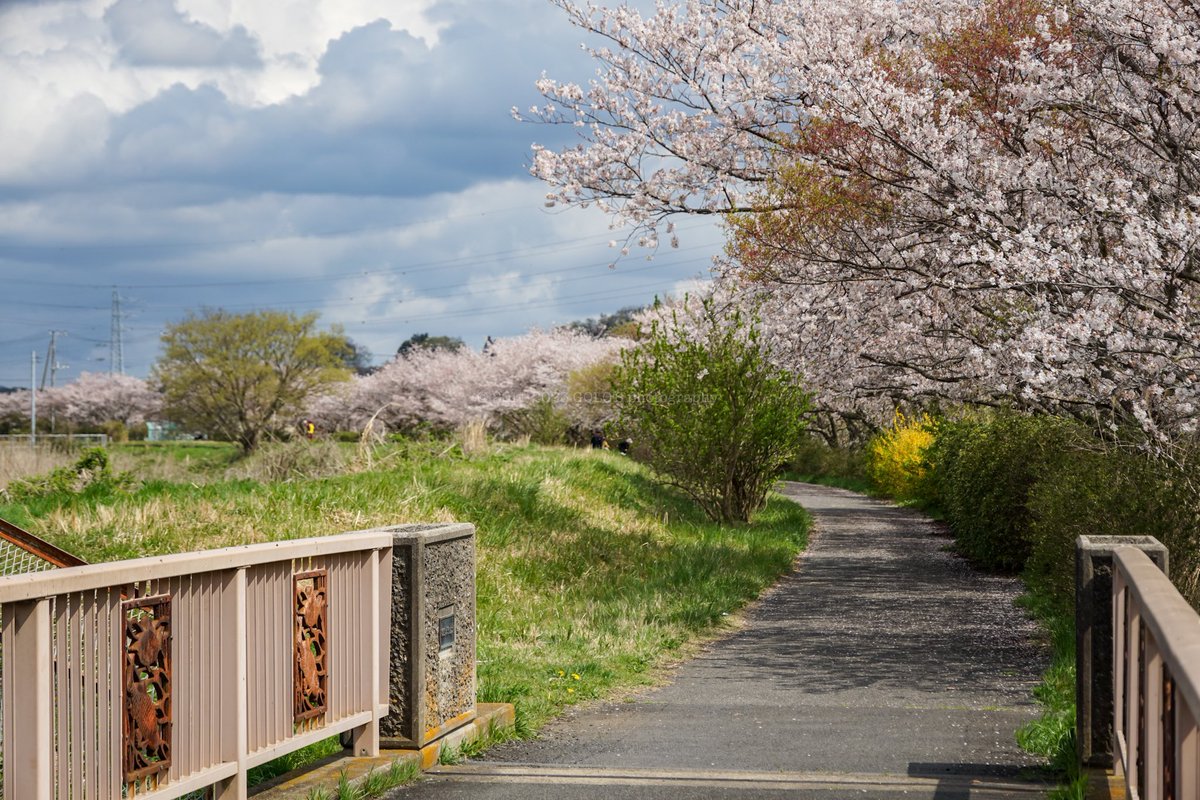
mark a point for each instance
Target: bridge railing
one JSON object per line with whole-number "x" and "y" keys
{"x": 157, "y": 677}
{"x": 1156, "y": 681}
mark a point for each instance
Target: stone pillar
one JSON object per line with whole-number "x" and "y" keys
{"x": 432, "y": 655}
{"x": 1093, "y": 640}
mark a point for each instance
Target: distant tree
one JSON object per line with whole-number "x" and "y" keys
{"x": 423, "y": 341}
{"x": 96, "y": 397}
{"x": 714, "y": 416}
{"x": 605, "y": 324}
{"x": 358, "y": 358}
{"x": 239, "y": 376}
{"x": 444, "y": 388}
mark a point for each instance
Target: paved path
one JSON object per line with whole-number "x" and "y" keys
{"x": 882, "y": 666}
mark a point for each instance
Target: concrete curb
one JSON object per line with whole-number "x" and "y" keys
{"x": 296, "y": 784}
{"x": 1104, "y": 784}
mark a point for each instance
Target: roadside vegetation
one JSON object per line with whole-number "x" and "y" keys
{"x": 1016, "y": 491}
{"x": 591, "y": 574}
{"x": 712, "y": 414}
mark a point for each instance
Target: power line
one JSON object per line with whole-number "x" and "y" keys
{"x": 479, "y": 259}
{"x": 328, "y": 234}
{"x": 427, "y": 291}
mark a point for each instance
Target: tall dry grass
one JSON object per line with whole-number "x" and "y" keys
{"x": 19, "y": 460}
{"x": 472, "y": 437}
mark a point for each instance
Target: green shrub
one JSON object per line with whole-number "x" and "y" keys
{"x": 983, "y": 473}
{"x": 1095, "y": 491}
{"x": 543, "y": 422}
{"x": 116, "y": 430}
{"x": 714, "y": 415}
{"x": 816, "y": 459}
{"x": 92, "y": 472}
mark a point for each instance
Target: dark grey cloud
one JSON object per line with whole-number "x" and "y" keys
{"x": 390, "y": 115}
{"x": 156, "y": 33}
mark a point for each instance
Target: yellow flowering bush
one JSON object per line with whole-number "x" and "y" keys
{"x": 896, "y": 456}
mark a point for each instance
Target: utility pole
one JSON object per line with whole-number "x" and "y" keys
{"x": 116, "y": 355}
{"x": 51, "y": 367}
{"x": 33, "y": 401}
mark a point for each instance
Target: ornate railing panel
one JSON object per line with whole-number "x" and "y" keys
{"x": 146, "y": 675}
{"x": 310, "y": 680}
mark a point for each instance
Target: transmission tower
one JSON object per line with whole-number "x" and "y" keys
{"x": 116, "y": 351}
{"x": 51, "y": 367}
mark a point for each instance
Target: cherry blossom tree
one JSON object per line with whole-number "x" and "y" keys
{"x": 446, "y": 388}
{"x": 89, "y": 401}
{"x": 95, "y": 397}
{"x": 993, "y": 202}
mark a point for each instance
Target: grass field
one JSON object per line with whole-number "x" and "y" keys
{"x": 590, "y": 574}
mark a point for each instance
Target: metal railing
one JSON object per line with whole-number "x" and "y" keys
{"x": 158, "y": 677}
{"x": 1156, "y": 681}
{"x": 93, "y": 439}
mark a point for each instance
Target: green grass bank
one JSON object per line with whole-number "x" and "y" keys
{"x": 590, "y": 575}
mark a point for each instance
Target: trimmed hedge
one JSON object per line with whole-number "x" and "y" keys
{"x": 1018, "y": 490}
{"x": 982, "y": 475}
{"x": 1100, "y": 492}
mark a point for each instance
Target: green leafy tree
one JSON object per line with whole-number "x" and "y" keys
{"x": 423, "y": 341}
{"x": 357, "y": 358}
{"x": 237, "y": 376}
{"x": 709, "y": 411}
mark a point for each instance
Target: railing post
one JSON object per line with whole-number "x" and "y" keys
{"x": 234, "y": 618}
{"x": 1094, "y": 640}
{"x": 29, "y": 733}
{"x": 364, "y": 740}
{"x": 1187, "y": 739}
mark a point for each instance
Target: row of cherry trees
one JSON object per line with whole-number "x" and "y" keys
{"x": 445, "y": 388}
{"x": 88, "y": 402}
{"x": 439, "y": 388}
{"x": 992, "y": 202}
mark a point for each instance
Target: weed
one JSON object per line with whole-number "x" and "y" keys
{"x": 492, "y": 736}
{"x": 1052, "y": 735}
{"x": 450, "y": 754}
{"x": 19, "y": 460}
{"x": 472, "y": 437}
{"x": 345, "y": 789}
{"x": 297, "y": 758}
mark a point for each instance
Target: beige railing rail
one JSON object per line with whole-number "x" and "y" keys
{"x": 158, "y": 677}
{"x": 1156, "y": 681}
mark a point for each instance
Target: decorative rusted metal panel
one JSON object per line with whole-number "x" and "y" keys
{"x": 147, "y": 679}
{"x": 310, "y": 682}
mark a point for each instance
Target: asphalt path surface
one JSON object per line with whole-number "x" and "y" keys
{"x": 882, "y": 666}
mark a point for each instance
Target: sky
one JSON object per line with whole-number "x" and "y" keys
{"x": 356, "y": 158}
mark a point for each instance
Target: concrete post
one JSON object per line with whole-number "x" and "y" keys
{"x": 1093, "y": 640}
{"x": 431, "y": 666}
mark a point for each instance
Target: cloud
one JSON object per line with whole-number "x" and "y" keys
{"x": 380, "y": 181}
{"x": 390, "y": 115}
{"x": 156, "y": 33}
